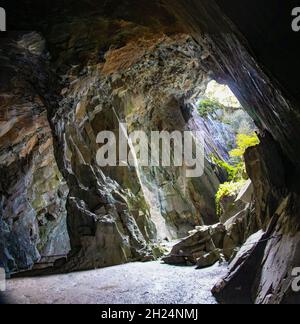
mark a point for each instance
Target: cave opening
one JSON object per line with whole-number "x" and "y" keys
{"x": 140, "y": 212}
{"x": 229, "y": 132}
{"x": 152, "y": 66}
{"x": 129, "y": 213}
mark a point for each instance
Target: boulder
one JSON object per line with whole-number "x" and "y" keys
{"x": 246, "y": 193}
{"x": 239, "y": 219}
{"x": 209, "y": 259}
{"x": 236, "y": 228}
{"x": 199, "y": 246}
{"x": 230, "y": 206}
{"x": 244, "y": 264}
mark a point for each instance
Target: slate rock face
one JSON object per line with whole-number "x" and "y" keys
{"x": 263, "y": 274}
{"x": 236, "y": 286}
{"x": 33, "y": 192}
{"x": 124, "y": 209}
{"x": 129, "y": 209}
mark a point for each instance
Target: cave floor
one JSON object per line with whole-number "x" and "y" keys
{"x": 133, "y": 283}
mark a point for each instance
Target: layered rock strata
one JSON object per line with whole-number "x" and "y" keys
{"x": 33, "y": 192}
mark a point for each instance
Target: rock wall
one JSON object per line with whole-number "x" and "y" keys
{"x": 148, "y": 91}
{"x": 148, "y": 80}
{"x": 262, "y": 271}
{"x": 127, "y": 210}
{"x": 33, "y": 193}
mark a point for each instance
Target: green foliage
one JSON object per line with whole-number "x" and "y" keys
{"x": 230, "y": 169}
{"x": 209, "y": 107}
{"x": 237, "y": 170}
{"x": 228, "y": 189}
{"x": 243, "y": 142}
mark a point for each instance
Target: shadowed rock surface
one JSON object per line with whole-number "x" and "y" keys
{"x": 33, "y": 192}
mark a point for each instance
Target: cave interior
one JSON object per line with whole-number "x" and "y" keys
{"x": 72, "y": 69}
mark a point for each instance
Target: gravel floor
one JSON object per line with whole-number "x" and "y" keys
{"x": 133, "y": 283}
